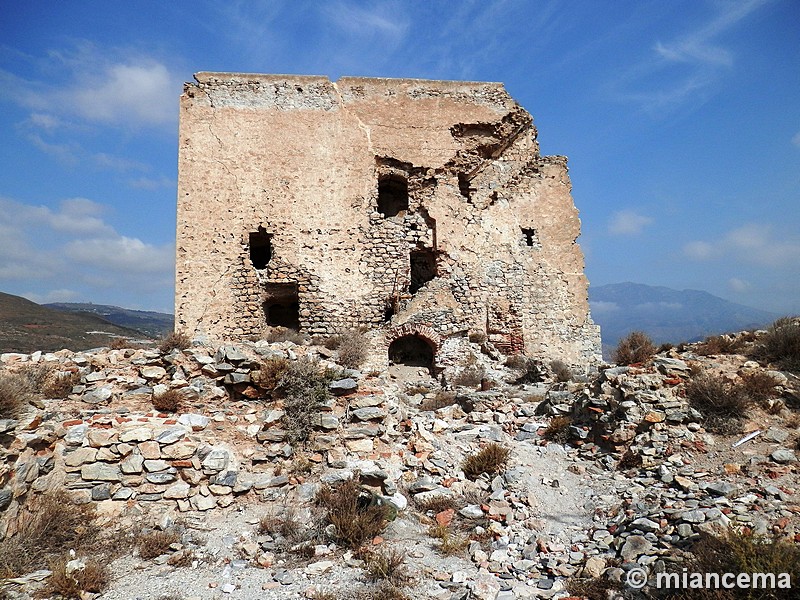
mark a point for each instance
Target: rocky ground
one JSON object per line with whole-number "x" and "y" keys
{"x": 605, "y": 473}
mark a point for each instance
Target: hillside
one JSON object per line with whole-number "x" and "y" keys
{"x": 668, "y": 315}
{"x": 152, "y": 323}
{"x": 26, "y": 326}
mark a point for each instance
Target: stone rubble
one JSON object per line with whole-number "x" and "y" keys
{"x": 640, "y": 479}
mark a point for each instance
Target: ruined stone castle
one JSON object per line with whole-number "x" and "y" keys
{"x": 421, "y": 210}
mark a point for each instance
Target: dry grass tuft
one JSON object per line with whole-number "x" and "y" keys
{"x": 268, "y": 377}
{"x": 720, "y": 344}
{"x": 561, "y": 371}
{"x": 389, "y": 566}
{"x": 170, "y": 401}
{"x": 470, "y": 376}
{"x": 176, "y": 340}
{"x": 781, "y": 344}
{"x": 284, "y": 334}
{"x": 356, "y": 515}
{"x": 490, "y": 459}
{"x": 119, "y": 343}
{"x": 53, "y": 525}
{"x": 450, "y": 543}
{"x": 304, "y": 387}
{"x": 436, "y": 504}
{"x": 558, "y": 430}
{"x": 14, "y": 395}
{"x": 722, "y": 403}
{"x": 156, "y": 543}
{"x": 759, "y": 386}
{"x": 287, "y": 527}
{"x": 351, "y": 346}
{"x": 94, "y": 577}
{"x": 440, "y": 400}
{"x": 636, "y": 347}
{"x": 60, "y": 384}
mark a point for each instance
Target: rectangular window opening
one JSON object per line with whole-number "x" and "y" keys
{"x": 260, "y": 248}
{"x": 423, "y": 269}
{"x": 529, "y": 235}
{"x": 282, "y": 305}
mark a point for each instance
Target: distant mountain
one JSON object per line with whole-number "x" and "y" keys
{"x": 668, "y": 315}
{"x": 154, "y": 324}
{"x": 26, "y": 327}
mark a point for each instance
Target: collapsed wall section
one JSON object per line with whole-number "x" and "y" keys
{"x": 324, "y": 206}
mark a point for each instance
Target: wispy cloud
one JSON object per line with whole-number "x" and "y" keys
{"x": 752, "y": 243}
{"x": 385, "y": 20}
{"x": 738, "y": 285}
{"x": 796, "y": 139}
{"x": 686, "y": 68}
{"x": 628, "y": 222}
{"x": 152, "y": 183}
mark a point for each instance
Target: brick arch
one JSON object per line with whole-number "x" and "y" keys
{"x": 418, "y": 329}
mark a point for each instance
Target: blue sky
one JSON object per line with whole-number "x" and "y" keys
{"x": 681, "y": 121}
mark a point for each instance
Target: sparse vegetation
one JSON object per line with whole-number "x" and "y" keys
{"x": 156, "y": 543}
{"x": 781, "y": 344}
{"x": 558, "y": 429}
{"x": 60, "y": 384}
{"x": 759, "y": 386}
{"x": 469, "y": 376}
{"x": 742, "y": 552}
{"x": 561, "y": 371}
{"x": 268, "y": 377}
{"x": 14, "y": 395}
{"x": 490, "y": 459}
{"x": 305, "y": 387}
{"x": 530, "y": 371}
{"x": 357, "y": 516}
{"x": 440, "y": 400}
{"x": 284, "y": 334}
{"x": 722, "y": 403}
{"x": 436, "y": 504}
{"x": 720, "y": 344}
{"x": 52, "y": 525}
{"x": 636, "y": 347}
{"x": 169, "y": 401}
{"x": 477, "y": 337}
{"x": 94, "y": 577}
{"x": 352, "y": 349}
{"x": 287, "y": 526}
{"x": 389, "y": 566}
{"x": 119, "y": 343}
{"x": 176, "y": 340}
{"x": 450, "y": 543}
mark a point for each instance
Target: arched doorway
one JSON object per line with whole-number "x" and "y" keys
{"x": 413, "y": 351}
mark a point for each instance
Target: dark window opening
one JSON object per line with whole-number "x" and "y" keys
{"x": 464, "y": 187}
{"x": 412, "y": 351}
{"x": 392, "y": 195}
{"x": 282, "y": 305}
{"x": 260, "y": 248}
{"x": 530, "y": 236}
{"x": 423, "y": 269}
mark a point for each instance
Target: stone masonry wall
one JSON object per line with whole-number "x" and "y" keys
{"x": 490, "y": 226}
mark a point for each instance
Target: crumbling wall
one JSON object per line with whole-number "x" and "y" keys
{"x": 375, "y": 202}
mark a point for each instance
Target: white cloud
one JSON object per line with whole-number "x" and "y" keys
{"x": 59, "y": 295}
{"x": 384, "y": 20}
{"x": 751, "y": 243}
{"x": 796, "y": 139}
{"x": 738, "y": 285}
{"x": 601, "y": 306}
{"x": 123, "y": 254}
{"x": 628, "y": 222}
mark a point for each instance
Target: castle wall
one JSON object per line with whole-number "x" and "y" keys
{"x": 294, "y": 167}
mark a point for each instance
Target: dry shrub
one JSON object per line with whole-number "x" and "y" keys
{"x": 760, "y": 386}
{"x": 597, "y": 588}
{"x": 356, "y": 515}
{"x": 170, "y": 401}
{"x": 636, "y": 347}
{"x": 60, "y": 384}
{"x": 304, "y": 387}
{"x": 530, "y": 370}
{"x": 176, "y": 340}
{"x": 119, "y": 343}
{"x": 741, "y": 552}
{"x": 720, "y": 344}
{"x": 268, "y": 377}
{"x": 440, "y": 400}
{"x": 558, "y": 430}
{"x": 781, "y": 344}
{"x": 287, "y": 527}
{"x": 561, "y": 371}
{"x": 722, "y": 403}
{"x": 450, "y": 543}
{"x": 490, "y": 460}
{"x": 53, "y": 525}
{"x": 94, "y": 577}
{"x": 181, "y": 558}
{"x": 352, "y": 349}
{"x": 14, "y": 395}
{"x": 477, "y": 337}
{"x": 284, "y": 334}
{"x": 436, "y": 504}
{"x": 156, "y": 543}
{"x": 389, "y": 566}
{"x": 469, "y": 376}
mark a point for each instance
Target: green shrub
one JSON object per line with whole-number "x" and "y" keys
{"x": 304, "y": 387}
{"x": 636, "y": 347}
